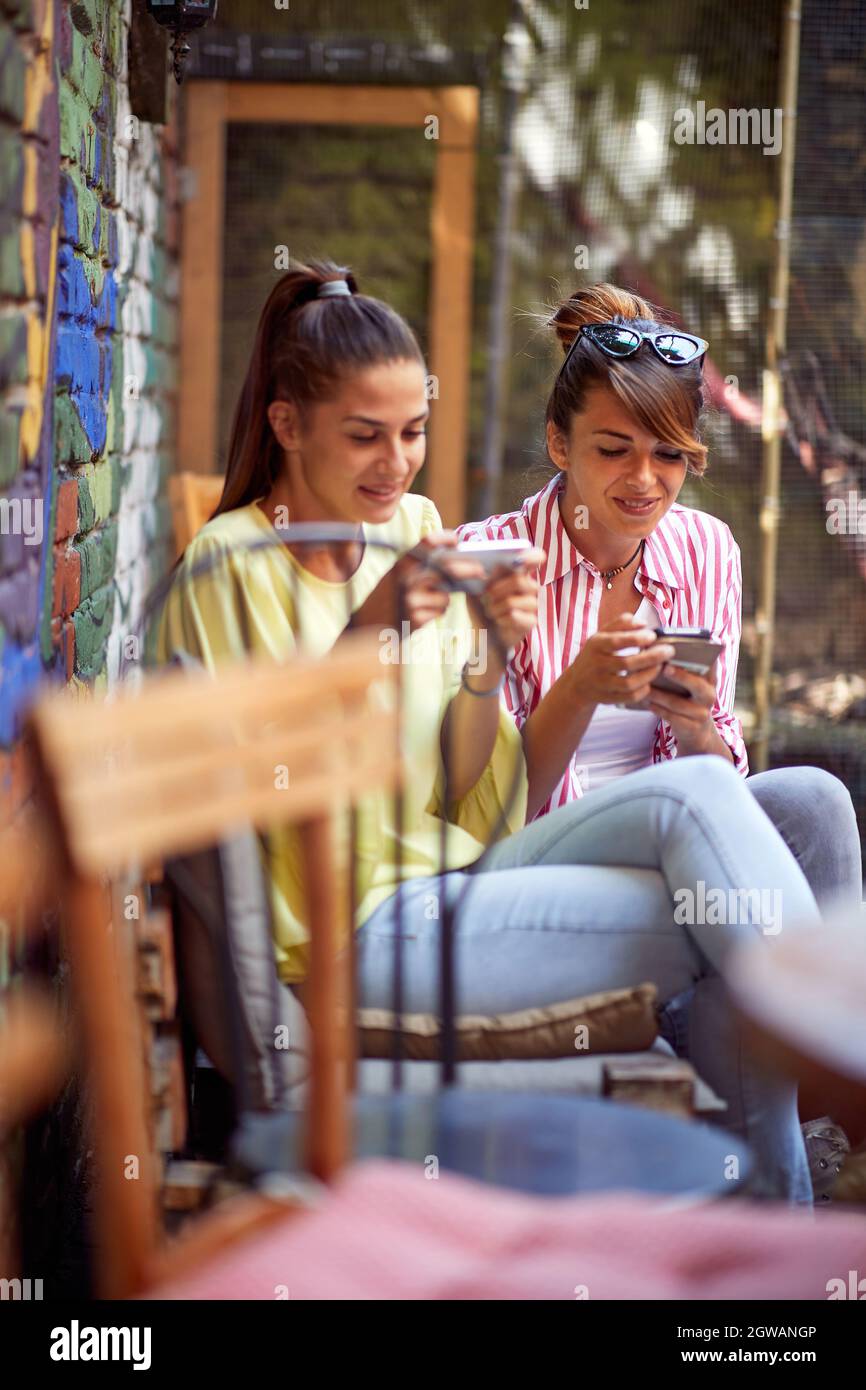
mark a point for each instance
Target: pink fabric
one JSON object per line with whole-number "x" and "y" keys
{"x": 387, "y": 1232}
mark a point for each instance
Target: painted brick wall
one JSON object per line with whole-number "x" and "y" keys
{"x": 88, "y": 352}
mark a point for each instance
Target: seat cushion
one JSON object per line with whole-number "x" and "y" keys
{"x": 616, "y": 1020}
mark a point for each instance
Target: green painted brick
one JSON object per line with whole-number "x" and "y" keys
{"x": 104, "y": 234}
{"x": 87, "y": 205}
{"x": 91, "y": 78}
{"x": 73, "y": 68}
{"x": 11, "y": 272}
{"x": 113, "y": 46}
{"x": 13, "y": 70}
{"x": 101, "y": 489}
{"x": 11, "y": 170}
{"x": 87, "y": 150}
{"x": 88, "y": 16}
{"x": 98, "y": 553}
{"x": 73, "y": 118}
{"x": 20, "y": 13}
{"x": 10, "y": 445}
{"x": 118, "y": 478}
{"x": 71, "y": 444}
{"x": 86, "y": 508}
{"x": 92, "y": 621}
{"x": 13, "y": 350}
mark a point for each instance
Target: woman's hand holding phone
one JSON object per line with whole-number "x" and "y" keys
{"x": 424, "y": 595}
{"x": 509, "y": 599}
{"x": 690, "y": 716}
{"x": 601, "y": 675}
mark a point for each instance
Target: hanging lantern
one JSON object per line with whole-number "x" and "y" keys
{"x": 181, "y": 16}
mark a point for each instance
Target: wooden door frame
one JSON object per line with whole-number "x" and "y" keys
{"x": 210, "y": 106}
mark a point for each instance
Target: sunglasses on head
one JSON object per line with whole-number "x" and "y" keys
{"x": 619, "y": 341}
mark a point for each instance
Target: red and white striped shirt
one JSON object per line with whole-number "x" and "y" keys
{"x": 690, "y": 571}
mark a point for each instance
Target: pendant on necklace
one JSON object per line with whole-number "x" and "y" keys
{"x": 609, "y": 585}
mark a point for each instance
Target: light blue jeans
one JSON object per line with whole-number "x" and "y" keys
{"x": 814, "y": 814}
{"x": 593, "y": 897}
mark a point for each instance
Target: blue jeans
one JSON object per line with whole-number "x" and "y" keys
{"x": 813, "y": 812}
{"x": 596, "y": 896}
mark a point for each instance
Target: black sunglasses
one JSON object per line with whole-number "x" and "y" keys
{"x": 677, "y": 349}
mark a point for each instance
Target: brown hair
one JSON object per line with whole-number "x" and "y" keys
{"x": 304, "y": 346}
{"x": 668, "y": 401}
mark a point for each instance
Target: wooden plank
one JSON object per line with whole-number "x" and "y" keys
{"x": 168, "y": 1091}
{"x": 172, "y": 764}
{"x": 213, "y": 753}
{"x": 309, "y": 103}
{"x": 211, "y": 105}
{"x": 258, "y": 689}
{"x": 193, "y": 497}
{"x": 661, "y": 1083}
{"x": 327, "y": 1141}
{"x": 157, "y": 978}
{"x": 182, "y": 814}
{"x": 195, "y": 826}
{"x": 125, "y": 1207}
{"x": 201, "y": 275}
{"x": 187, "y": 1184}
{"x": 453, "y": 231}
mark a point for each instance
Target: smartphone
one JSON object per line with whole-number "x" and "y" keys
{"x": 487, "y": 553}
{"x": 695, "y": 651}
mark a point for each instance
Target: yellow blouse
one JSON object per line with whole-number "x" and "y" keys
{"x": 266, "y": 604}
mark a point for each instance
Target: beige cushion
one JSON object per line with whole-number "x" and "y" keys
{"x": 618, "y": 1020}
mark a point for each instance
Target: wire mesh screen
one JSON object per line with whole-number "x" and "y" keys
{"x": 609, "y": 192}
{"x": 360, "y": 195}
{"x": 614, "y": 185}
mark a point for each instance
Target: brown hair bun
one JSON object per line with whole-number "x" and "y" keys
{"x": 599, "y": 304}
{"x": 668, "y": 401}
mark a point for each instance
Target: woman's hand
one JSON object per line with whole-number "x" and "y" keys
{"x": 602, "y": 676}
{"x": 424, "y": 594}
{"x": 509, "y": 600}
{"x": 690, "y": 718}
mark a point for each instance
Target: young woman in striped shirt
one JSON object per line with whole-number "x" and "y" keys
{"x": 624, "y": 557}
{"x": 329, "y": 428}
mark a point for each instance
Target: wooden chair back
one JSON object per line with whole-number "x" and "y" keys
{"x": 193, "y": 497}
{"x": 171, "y": 766}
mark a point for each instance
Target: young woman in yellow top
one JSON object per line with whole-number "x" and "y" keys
{"x": 330, "y": 428}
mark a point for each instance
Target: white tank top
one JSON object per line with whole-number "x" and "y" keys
{"x": 617, "y": 741}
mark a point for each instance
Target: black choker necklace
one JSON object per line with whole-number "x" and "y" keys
{"x": 608, "y": 575}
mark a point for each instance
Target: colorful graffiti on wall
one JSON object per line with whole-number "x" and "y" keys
{"x": 88, "y": 288}
{"x": 28, "y": 276}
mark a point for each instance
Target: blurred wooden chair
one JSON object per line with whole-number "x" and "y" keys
{"x": 193, "y": 497}
{"x": 169, "y": 768}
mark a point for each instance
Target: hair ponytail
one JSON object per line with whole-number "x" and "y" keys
{"x": 304, "y": 345}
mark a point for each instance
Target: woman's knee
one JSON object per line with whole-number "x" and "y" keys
{"x": 810, "y": 791}
{"x": 706, "y": 776}
{"x": 826, "y": 791}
